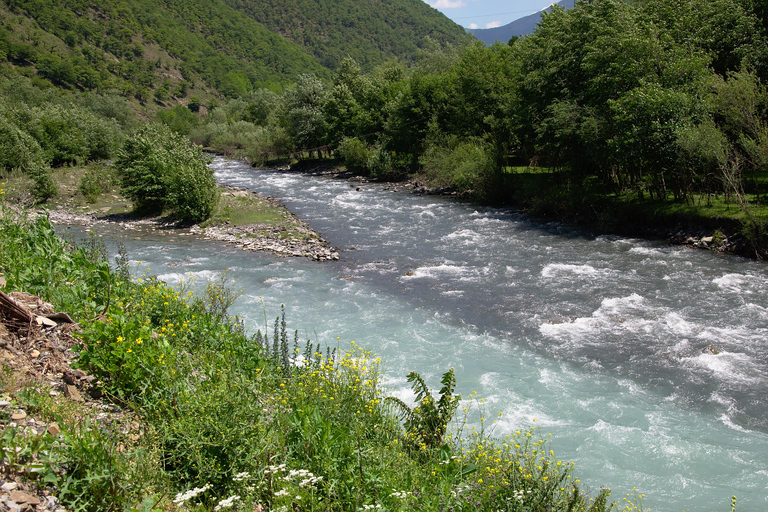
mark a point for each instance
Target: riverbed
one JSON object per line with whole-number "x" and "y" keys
{"x": 647, "y": 363}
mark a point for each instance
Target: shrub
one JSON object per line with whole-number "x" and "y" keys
{"x": 180, "y": 119}
{"x": 44, "y": 187}
{"x": 465, "y": 166}
{"x": 93, "y": 183}
{"x": 160, "y": 170}
{"x": 355, "y": 155}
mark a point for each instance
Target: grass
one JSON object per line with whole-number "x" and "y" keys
{"x": 261, "y": 422}
{"x": 241, "y": 208}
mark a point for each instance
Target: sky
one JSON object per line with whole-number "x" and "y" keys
{"x": 488, "y": 13}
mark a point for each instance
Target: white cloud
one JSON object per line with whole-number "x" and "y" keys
{"x": 493, "y": 24}
{"x": 448, "y": 4}
{"x": 473, "y": 26}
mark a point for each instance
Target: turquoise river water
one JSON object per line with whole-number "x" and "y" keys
{"x": 598, "y": 340}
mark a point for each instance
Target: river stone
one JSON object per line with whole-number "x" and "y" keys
{"x": 22, "y": 497}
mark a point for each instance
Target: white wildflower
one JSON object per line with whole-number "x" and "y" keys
{"x": 227, "y": 503}
{"x": 186, "y": 496}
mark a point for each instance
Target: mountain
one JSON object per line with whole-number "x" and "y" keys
{"x": 370, "y": 32}
{"x": 517, "y": 28}
{"x": 165, "y": 49}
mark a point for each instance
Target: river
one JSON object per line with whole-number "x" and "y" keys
{"x": 599, "y": 340}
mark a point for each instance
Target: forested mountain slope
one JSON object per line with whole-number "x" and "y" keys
{"x": 369, "y": 32}
{"x": 233, "y": 46}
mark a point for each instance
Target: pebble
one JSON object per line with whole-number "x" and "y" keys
{"x": 4, "y": 403}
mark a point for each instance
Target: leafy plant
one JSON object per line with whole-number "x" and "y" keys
{"x": 27, "y": 454}
{"x": 44, "y": 187}
{"x": 426, "y": 423}
{"x": 161, "y": 171}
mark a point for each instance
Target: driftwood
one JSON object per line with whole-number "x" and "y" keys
{"x": 11, "y": 311}
{"x": 17, "y": 315}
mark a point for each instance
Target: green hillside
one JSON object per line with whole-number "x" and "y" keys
{"x": 161, "y": 50}
{"x": 369, "y": 32}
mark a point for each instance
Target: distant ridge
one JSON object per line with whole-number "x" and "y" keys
{"x": 519, "y": 27}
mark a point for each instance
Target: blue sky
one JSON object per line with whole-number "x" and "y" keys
{"x": 487, "y": 13}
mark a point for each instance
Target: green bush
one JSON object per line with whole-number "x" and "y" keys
{"x": 161, "y": 171}
{"x": 68, "y": 133}
{"x": 180, "y": 119}
{"x": 355, "y": 155}
{"x": 463, "y": 166}
{"x": 94, "y": 182}
{"x": 44, "y": 187}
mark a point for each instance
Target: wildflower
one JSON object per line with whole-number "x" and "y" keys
{"x": 227, "y": 503}
{"x": 186, "y": 496}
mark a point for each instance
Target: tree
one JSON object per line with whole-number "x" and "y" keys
{"x": 305, "y": 120}
{"x": 160, "y": 170}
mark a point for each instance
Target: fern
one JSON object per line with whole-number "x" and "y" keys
{"x": 426, "y": 423}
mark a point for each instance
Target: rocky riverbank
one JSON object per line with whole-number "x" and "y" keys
{"x": 290, "y": 238}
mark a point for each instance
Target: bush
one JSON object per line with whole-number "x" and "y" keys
{"x": 44, "y": 187}
{"x": 94, "y": 182}
{"x": 466, "y": 167}
{"x": 180, "y": 119}
{"x": 160, "y": 170}
{"x": 68, "y": 133}
{"x": 355, "y": 155}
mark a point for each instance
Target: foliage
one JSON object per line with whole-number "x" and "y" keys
{"x": 18, "y": 149}
{"x": 56, "y": 133}
{"x": 161, "y": 171}
{"x": 44, "y": 187}
{"x": 179, "y": 119}
{"x": 460, "y": 166}
{"x": 355, "y": 155}
{"x": 427, "y": 422}
{"x": 368, "y": 33}
{"x": 94, "y": 182}
{"x": 99, "y": 473}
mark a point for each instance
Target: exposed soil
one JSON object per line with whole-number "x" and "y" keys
{"x": 36, "y": 349}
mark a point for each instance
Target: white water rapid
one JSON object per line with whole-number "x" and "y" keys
{"x": 603, "y": 340}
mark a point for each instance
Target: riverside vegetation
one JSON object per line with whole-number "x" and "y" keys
{"x": 629, "y": 116}
{"x": 247, "y": 422}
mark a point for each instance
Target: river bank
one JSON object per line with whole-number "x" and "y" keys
{"x": 283, "y": 234}
{"x": 723, "y": 236}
